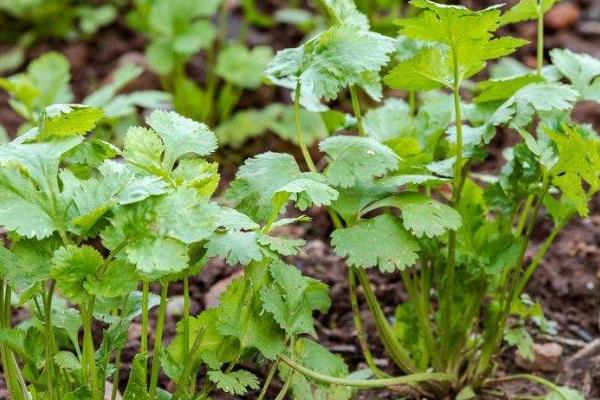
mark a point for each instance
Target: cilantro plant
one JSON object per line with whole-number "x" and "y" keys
{"x": 29, "y": 23}
{"x": 47, "y": 81}
{"x": 409, "y": 199}
{"x": 179, "y": 30}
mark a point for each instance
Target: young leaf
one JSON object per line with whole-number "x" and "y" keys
{"x": 519, "y": 109}
{"x": 353, "y": 159}
{"x": 262, "y": 177}
{"x": 72, "y": 268}
{"x": 280, "y": 245}
{"x": 331, "y": 61}
{"x": 60, "y": 120}
{"x": 243, "y": 67}
{"x": 137, "y": 385}
{"x": 380, "y": 241}
{"x": 582, "y": 70}
{"x": 467, "y": 39}
{"x": 578, "y": 162}
{"x": 181, "y": 135}
{"x": 292, "y": 298}
{"x": 235, "y": 383}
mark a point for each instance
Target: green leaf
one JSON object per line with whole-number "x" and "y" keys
{"x": 137, "y": 384}
{"x": 235, "y": 383}
{"x": 519, "y": 109}
{"x": 578, "y": 162}
{"x": 181, "y": 135}
{"x": 119, "y": 279}
{"x": 280, "y": 245}
{"x": 352, "y": 159}
{"x": 388, "y": 121}
{"x": 292, "y": 299}
{"x": 421, "y": 215}
{"x": 235, "y": 247}
{"x": 72, "y": 268}
{"x": 504, "y": 88}
{"x": 263, "y": 177}
{"x": 240, "y": 313}
{"x": 582, "y": 70}
{"x": 143, "y": 148}
{"x": 25, "y": 204}
{"x": 49, "y": 75}
{"x": 158, "y": 255}
{"x": 380, "y": 241}
{"x": 526, "y": 10}
{"x": 429, "y": 69}
{"x": 467, "y": 39}
{"x": 117, "y": 185}
{"x": 243, "y": 67}
{"x": 186, "y": 216}
{"x": 331, "y": 61}
{"x": 61, "y": 120}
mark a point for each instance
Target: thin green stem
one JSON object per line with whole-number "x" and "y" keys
{"x": 117, "y": 374}
{"x": 145, "y": 305}
{"x": 540, "y": 37}
{"x": 299, "y": 132}
{"x": 524, "y": 215}
{"x": 267, "y": 383}
{"x": 369, "y": 383}
{"x": 88, "y": 356}
{"x": 448, "y": 293}
{"x": 186, "y": 318}
{"x": 158, "y": 334}
{"x": 356, "y": 110}
{"x": 48, "y": 340}
{"x": 360, "y": 331}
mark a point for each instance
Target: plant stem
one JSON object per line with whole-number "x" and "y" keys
{"x": 300, "y": 133}
{"x": 145, "y": 305}
{"x": 360, "y": 331}
{"x": 186, "y": 318}
{"x": 267, "y": 383}
{"x": 356, "y": 110}
{"x": 369, "y": 383}
{"x": 540, "y": 37}
{"x": 398, "y": 354}
{"x": 448, "y": 294}
{"x": 158, "y": 334}
{"x": 117, "y": 373}
{"x": 49, "y": 340}
{"x": 88, "y": 356}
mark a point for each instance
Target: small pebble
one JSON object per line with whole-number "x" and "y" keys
{"x": 563, "y": 16}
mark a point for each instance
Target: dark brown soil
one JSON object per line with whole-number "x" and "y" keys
{"x": 567, "y": 283}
